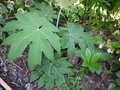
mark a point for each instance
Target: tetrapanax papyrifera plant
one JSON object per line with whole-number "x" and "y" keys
{"x": 35, "y": 29}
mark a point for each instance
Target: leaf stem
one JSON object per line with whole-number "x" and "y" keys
{"x": 58, "y": 18}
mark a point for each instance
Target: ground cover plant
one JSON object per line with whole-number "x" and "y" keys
{"x": 60, "y": 44}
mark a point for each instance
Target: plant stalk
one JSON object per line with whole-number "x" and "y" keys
{"x": 58, "y": 18}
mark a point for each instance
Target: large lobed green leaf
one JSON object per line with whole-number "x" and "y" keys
{"x": 73, "y": 35}
{"x": 50, "y": 73}
{"x": 35, "y": 31}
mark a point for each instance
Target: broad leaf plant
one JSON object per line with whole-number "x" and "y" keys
{"x": 35, "y": 29}
{"x": 36, "y": 32}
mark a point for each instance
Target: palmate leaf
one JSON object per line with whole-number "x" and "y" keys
{"x": 51, "y": 72}
{"x": 44, "y": 10}
{"x": 36, "y": 32}
{"x": 65, "y": 3}
{"x": 73, "y": 35}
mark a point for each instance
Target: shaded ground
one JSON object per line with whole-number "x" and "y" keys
{"x": 17, "y": 75}
{"x": 98, "y": 82}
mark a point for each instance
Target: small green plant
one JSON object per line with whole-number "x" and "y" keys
{"x": 116, "y": 69}
{"x": 91, "y": 59}
{"x": 114, "y": 46}
{"x": 73, "y": 82}
{"x": 83, "y": 71}
{"x": 75, "y": 13}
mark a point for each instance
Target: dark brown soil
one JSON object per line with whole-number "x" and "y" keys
{"x": 98, "y": 82}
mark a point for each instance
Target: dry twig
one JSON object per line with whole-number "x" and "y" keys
{"x": 4, "y": 84}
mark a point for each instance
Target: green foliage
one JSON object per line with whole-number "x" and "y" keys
{"x": 36, "y": 32}
{"x": 83, "y": 71}
{"x": 0, "y": 33}
{"x": 114, "y": 47}
{"x": 73, "y": 81}
{"x": 35, "y": 29}
{"x": 117, "y": 81}
{"x": 118, "y": 74}
{"x": 23, "y": 3}
{"x": 75, "y": 13}
{"x": 116, "y": 67}
{"x": 3, "y": 10}
{"x": 115, "y": 88}
{"x": 91, "y": 58}
{"x": 73, "y": 87}
{"x": 65, "y": 3}
{"x": 95, "y": 14}
{"x": 44, "y": 10}
{"x": 18, "y": 1}
{"x": 73, "y": 35}
{"x": 51, "y": 72}
{"x": 91, "y": 61}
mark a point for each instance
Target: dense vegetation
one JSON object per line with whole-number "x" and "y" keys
{"x": 53, "y": 32}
